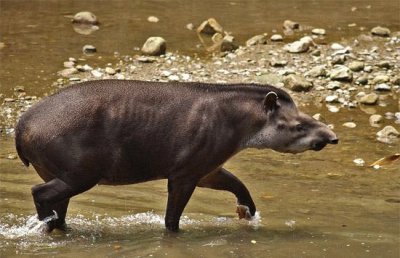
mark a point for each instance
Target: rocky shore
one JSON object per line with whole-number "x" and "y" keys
{"x": 357, "y": 73}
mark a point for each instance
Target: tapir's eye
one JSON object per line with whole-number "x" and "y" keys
{"x": 300, "y": 128}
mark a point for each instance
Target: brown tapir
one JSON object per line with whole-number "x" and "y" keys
{"x": 124, "y": 132}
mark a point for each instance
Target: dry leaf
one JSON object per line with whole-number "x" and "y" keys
{"x": 386, "y": 160}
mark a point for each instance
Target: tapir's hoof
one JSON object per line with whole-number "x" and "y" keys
{"x": 243, "y": 211}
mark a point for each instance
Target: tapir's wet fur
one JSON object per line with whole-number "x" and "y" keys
{"x": 124, "y": 132}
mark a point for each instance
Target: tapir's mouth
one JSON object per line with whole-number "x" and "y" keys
{"x": 318, "y": 146}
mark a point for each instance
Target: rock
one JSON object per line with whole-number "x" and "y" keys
{"x": 359, "y": 162}
{"x": 337, "y": 46}
{"x": 297, "y": 83}
{"x": 375, "y": 119}
{"x": 217, "y": 37}
{"x": 318, "y": 31}
{"x": 154, "y": 46}
{"x": 380, "y": 78}
{"x": 276, "y": 37}
{"x": 291, "y": 25}
{"x": 257, "y": 40}
{"x": 210, "y": 27}
{"x": 270, "y": 79}
{"x": 380, "y": 31}
{"x": 368, "y": 69}
{"x": 228, "y": 44}
{"x": 19, "y": 89}
{"x": 338, "y": 60}
{"x": 382, "y": 87}
{"x": 9, "y": 100}
{"x": 384, "y": 64}
{"x": 12, "y": 156}
{"x": 2, "y": 45}
{"x": 189, "y": 26}
{"x": 153, "y": 19}
{"x": 317, "y": 71}
{"x": 316, "y": 52}
{"x": 363, "y": 80}
{"x": 89, "y": 49}
{"x": 173, "y": 77}
{"x": 333, "y": 85}
{"x": 356, "y": 66}
{"x": 84, "y": 29}
{"x": 319, "y": 117}
{"x": 341, "y": 73}
{"x": 331, "y": 99}
{"x": 85, "y": 18}
{"x": 396, "y": 80}
{"x": 350, "y": 125}
{"x": 278, "y": 63}
{"x": 69, "y": 64}
{"x": 333, "y": 109}
{"x": 67, "y": 72}
{"x": 369, "y": 99}
{"x": 299, "y": 46}
{"x": 110, "y": 71}
{"x": 96, "y": 73}
{"x": 387, "y": 134}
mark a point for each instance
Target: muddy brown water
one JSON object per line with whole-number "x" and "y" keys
{"x": 315, "y": 204}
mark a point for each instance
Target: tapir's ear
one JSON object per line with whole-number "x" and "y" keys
{"x": 271, "y": 101}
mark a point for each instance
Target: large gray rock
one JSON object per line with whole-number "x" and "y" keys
{"x": 380, "y": 31}
{"x": 210, "y": 27}
{"x": 341, "y": 73}
{"x": 297, "y": 83}
{"x": 85, "y": 18}
{"x": 154, "y": 46}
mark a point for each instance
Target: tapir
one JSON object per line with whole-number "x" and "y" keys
{"x": 117, "y": 132}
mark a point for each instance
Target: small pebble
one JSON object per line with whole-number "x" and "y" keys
{"x": 350, "y": 125}
{"x": 359, "y": 162}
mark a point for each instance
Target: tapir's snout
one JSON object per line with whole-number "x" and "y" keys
{"x": 334, "y": 141}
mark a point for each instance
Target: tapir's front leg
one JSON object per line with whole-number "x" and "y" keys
{"x": 222, "y": 179}
{"x": 179, "y": 193}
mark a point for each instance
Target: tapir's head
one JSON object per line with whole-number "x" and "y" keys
{"x": 288, "y": 130}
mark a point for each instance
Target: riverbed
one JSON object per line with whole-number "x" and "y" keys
{"x": 314, "y": 204}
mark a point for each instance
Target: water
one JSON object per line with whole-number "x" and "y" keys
{"x": 316, "y": 204}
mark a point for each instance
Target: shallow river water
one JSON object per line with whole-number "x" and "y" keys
{"x": 315, "y": 204}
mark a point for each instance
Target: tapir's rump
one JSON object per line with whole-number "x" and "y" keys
{"x": 125, "y": 132}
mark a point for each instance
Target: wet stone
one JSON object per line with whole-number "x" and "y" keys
{"x": 339, "y": 59}
{"x": 299, "y": 46}
{"x": 278, "y": 63}
{"x": 153, "y": 19}
{"x": 350, "y": 125}
{"x": 369, "y": 99}
{"x": 69, "y": 64}
{"x": 210, "y": 27}
{"x": 89, "y": 49}
{"x": 276, "y": 37}
{"x": 380, "y": 31}
{"x": 228, "y": 44}
{"x": 317, "y": 71}
{"x": 68, "y": 72}
{"x": 384, "y": 64}
{"x": 337, "y": 46}
{"x": 154, "y": 46}
{"x": 375, "y": 120}
{"x": 356, "y": 66}
{"x": 341, "y": 73}
{"x": 297, "y": 83}
{"x": 318, "y": 31}
{"x": 387, "y": 134}
{"x": 257, "y": 40}
{"x": 363, "y": 80}
{"x": 291, "y": 25}
{"x": 380, "y": 79}
{"x": 333, "y": 85}
{"x": 382, "y": 87}
{"x": 19, "y": 89}
{"x": 85, "y": 18}
{"x": 110, "y": 71}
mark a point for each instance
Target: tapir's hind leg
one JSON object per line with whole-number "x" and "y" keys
{"x": 222, "y": 179}
{"x": 52, "y": 198}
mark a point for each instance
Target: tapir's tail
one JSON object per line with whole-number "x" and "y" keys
{"x": 18, "y": 142}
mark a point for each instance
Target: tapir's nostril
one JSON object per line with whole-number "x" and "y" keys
{"x": 334, "y": 141}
